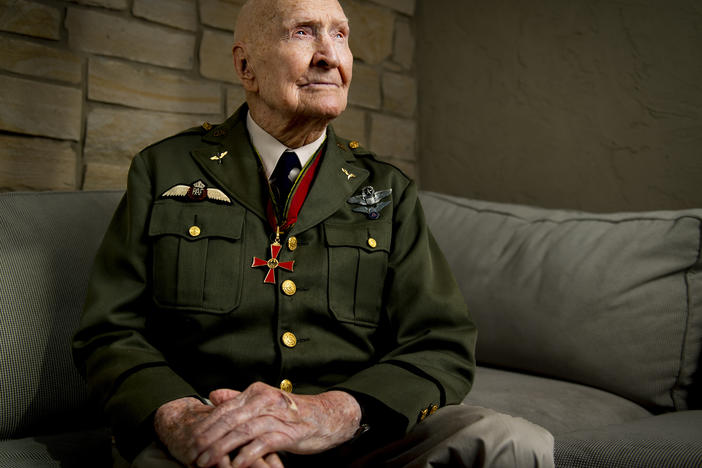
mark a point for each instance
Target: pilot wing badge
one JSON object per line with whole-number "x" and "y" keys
{"x": 197, "y": 191}
{"x": 370, "y": 201}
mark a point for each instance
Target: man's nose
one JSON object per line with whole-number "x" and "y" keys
{"x": 326, "y": 55}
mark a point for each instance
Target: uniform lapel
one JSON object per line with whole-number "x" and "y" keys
{"x": 237, "y": 173}
{"x": 332, "y": 186}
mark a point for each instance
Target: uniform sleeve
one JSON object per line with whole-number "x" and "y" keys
{"x": 125, "y": 374}
{"x": 432, "y": 360}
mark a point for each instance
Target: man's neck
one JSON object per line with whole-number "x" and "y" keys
{"x": 269, "y": 148}
{"x": 293, "y": 132}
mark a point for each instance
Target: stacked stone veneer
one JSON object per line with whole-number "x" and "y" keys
{"x": 85, "y": 84}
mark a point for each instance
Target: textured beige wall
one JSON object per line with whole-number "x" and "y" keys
{"x": 593, "y": 105}
{"x": 85, "y": 84}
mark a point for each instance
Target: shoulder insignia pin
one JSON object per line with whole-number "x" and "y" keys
{"x": 207, "y": 126}
{"x": 370, "y": 201}
{"x": 197, "y": 191}
{"x": 354, "y": 144}
{"x": 219, "y": 132}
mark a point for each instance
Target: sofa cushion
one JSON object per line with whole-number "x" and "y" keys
{"x": 47, "y": 247}
{"x": 83, "y": 449}
{"x": 556, "y": 405}
{"x": 668, "y": 440}
{"x": 609, "y": 300}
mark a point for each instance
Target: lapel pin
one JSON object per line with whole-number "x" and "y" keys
{"x": 218, "y": 157}
{"x": 349, "y": 175}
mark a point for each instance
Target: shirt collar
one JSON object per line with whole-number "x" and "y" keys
{"x": 269, "y": 149}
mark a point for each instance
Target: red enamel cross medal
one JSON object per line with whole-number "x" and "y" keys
{"x": 273, "y": 263}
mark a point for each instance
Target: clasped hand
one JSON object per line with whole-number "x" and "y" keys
{"x": 258, "y": 422}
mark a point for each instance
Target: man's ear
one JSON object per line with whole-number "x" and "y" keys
{"x": 243, "y": 68}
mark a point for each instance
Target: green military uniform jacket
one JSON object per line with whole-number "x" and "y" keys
{"x": 174, "y": 311}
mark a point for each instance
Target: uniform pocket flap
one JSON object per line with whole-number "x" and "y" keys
{"x": 370, "y": 237}
{"x": 196, "y": 220}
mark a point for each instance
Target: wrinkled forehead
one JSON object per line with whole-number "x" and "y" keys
{"x": 262, "y": 20}
{"x": 288, "y": 13}
{"x": 291, "y": 11}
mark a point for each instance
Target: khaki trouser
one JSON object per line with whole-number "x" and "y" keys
{"x": 455, "y": 436}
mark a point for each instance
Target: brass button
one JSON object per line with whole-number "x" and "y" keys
{"x": 194, "y": 231}
{"x": 289, "y": 287}
{"x": 434, "y": 409}
{"x": 292, "y": 242}
{"x": 354, "y": 144}
{"x": 373, "y": 244}
{"x": 286, "y": 385}
{"x": 289, "y": 339}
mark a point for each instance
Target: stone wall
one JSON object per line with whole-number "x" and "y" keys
{"x": 570, "y": 104}
{"x": 85, "y": 84}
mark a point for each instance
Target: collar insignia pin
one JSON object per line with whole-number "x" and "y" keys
{"x": 218, "y": 157}
{"x": 349, "y": 175}
{"x": 370, "y": 201}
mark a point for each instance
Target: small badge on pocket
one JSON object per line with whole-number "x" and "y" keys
{"x": 370, "y": 201}
{"x": 197, "y": 191}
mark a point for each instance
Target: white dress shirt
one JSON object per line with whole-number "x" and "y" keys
{"x": 270, "y": 150}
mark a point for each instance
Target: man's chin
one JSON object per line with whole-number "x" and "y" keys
{"x": 328, "y": 111}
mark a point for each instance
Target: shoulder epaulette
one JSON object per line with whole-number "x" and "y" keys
{"x": 353, "y": 146}
{"x": 199, "y": 130}
{"x": 192, "y": 130}
{"x": 360, "y": 152}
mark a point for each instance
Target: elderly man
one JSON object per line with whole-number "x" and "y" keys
{"x": 288, "y": 276}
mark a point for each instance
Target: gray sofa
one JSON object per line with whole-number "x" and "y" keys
{"x": 590, "y": 325}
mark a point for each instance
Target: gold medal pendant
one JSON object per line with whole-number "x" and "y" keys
{"x": 273, "y": 262}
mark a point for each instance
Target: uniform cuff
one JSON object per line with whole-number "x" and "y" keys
{"x": 394, "y": 392}
{"x": 132, "y": 407}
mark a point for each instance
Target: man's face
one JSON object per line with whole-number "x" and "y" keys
{"x": 303, "y": 63}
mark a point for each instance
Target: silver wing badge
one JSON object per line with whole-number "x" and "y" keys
{"x": 197, "y": 191}
{"x": 370, "y": 201}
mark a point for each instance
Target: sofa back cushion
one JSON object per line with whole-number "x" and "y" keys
{"x": 47, "y": 247}
{"x": 609, "y": 300}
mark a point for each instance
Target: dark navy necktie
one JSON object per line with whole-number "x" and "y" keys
{"x": 283, "y": 177}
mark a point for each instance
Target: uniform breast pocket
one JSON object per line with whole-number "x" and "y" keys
{"x": 197, "y": 250}
{"x": 358, "y": 263}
